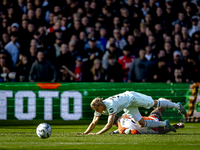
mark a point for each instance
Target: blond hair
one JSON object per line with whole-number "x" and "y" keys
{"x": 96, "y": 102}
{"x": 93, "y": 69}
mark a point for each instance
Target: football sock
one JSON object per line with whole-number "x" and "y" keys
{"x": 154, "y": 124}
{"x": 166, "y": 103}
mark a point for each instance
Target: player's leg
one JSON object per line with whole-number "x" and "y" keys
{"x": 134, "y": 113}
{"x": 158, "y": 112}
{"x": 176, "y": 126}
{"x": 162, "y": 102}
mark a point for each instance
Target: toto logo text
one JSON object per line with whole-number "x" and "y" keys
{"x": 48, "y": 96}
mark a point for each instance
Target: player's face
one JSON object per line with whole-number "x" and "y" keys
{"x": 99, "y": 109}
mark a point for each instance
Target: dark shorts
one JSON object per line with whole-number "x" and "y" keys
{"x": 157, "y": 115}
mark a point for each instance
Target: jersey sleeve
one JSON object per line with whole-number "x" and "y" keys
{"x": 111, "y": 107}
{"x": 134, "y": 132}
{"x": 97, "y": 114}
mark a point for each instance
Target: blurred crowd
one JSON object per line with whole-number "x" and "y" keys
{"x": 100, "y": 41}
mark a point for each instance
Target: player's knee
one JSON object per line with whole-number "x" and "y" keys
{"x": 155, "y": 103}
{"x": 162, "y": 109}
{"x": 141, "y": 123}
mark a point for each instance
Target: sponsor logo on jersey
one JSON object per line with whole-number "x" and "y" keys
{"x": 111, "y": 110}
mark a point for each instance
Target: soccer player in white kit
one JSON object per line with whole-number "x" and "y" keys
{"x": 129, "y": 102}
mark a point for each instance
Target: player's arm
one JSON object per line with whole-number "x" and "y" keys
{"x": 108, "y": 125}
{"x": 92, "y": 124}
{"x": 124, "y": 130}
{"x": 114, "y": 132}
{"x": 131, "y": 131}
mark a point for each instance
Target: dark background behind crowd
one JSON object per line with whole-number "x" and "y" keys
{"x": 100, "y": 41}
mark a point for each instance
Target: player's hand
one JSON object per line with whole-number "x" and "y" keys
{"x": 92, "y": 133}
{"x": 112, "y": 132}
{"x": 80, "y": 133}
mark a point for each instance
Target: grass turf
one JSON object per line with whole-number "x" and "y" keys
{"x": 63, "y": 137}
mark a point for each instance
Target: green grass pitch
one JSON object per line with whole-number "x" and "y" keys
{"x": 63, "y": 137}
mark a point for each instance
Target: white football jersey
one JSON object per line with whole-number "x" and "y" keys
{"x": 130, "y": 124}
{"x": 117, "y": 103}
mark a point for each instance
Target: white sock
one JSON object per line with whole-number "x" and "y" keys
{"x": 177, "y": 106}
{"x": 154, "y": 124}
{"x": 166, "y": 103}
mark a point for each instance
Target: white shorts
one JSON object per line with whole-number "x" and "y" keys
{"x": 138, "y": 100}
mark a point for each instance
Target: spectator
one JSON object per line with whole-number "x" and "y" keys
{"x": 124, "y": 32}
{"x": 197, "y": 50}
{"x": 98, "y": 73}
{"x": 178, "y": 75}
{"x": 103, "y": 37}
{"x": 42, "y": 70}
{"x": 153, "y": 44}
{"x": 140, "y": 69}
{"x": 168, "y": 52}
{"x": 110, "y": 41}
{"x": 15, "y": 27}
{"x": 177, "y": 29}
{"x": 81, "y": 72}
{"x": 4, "y": 25}
{"x": 5, "y": 60}
{"x": 66, "y": 75}
{"x": 177, "y": 40}
{"x": 56, "y": 26}
{"x": 119, "y": 41}
{"x": 194, "y": 27}
{"x": 161, "y": 54}
{"x": 31, "y": 16}
{"x": 181, "y": 19}
{"x": 169, "y": 17}
{"x": 160, "y": 71}
{"x": 185, "y": 54}
{"x": 5, "y": 40}
{"x": 116, "y": 23}
{"x": 82, "y": 42}
{"x": 160, "y": 15}
{"x": 13, "y": 48}
{"x": 57, "y": 46}
{"x": 192, "y": 69}
{"x": 145, "y": 9}
{"x": 64, "y": 58}
{"x": 73, "y": 53}
{"x": 96, "y": 42}
{"x": 85, "y": 21}
{"x": 149, "y": 54}
{"x": 112, "y": 50}
{"x": 182, "y": 45}
{"x": 133, "y": 44}
{"x": 126, "y": 61}
{"x": 176, "y": 68}
{"x": 170, "y": 24}
{"x": 114, "y": 72}
{"x": 32, "y": 54}
{"x": 39, "y": 17}
{"x": 148, "y": 19}
{"x": 107, "y": 16}
{"x": 92, "y": 53}
{"x": 185, "y": 35}
{"x": 23, "y": 69}
{"x": 31, "y": 30}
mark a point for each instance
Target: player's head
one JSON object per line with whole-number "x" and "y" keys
{"x": 97, "y": 105}
{"x": 116, "y": 119}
